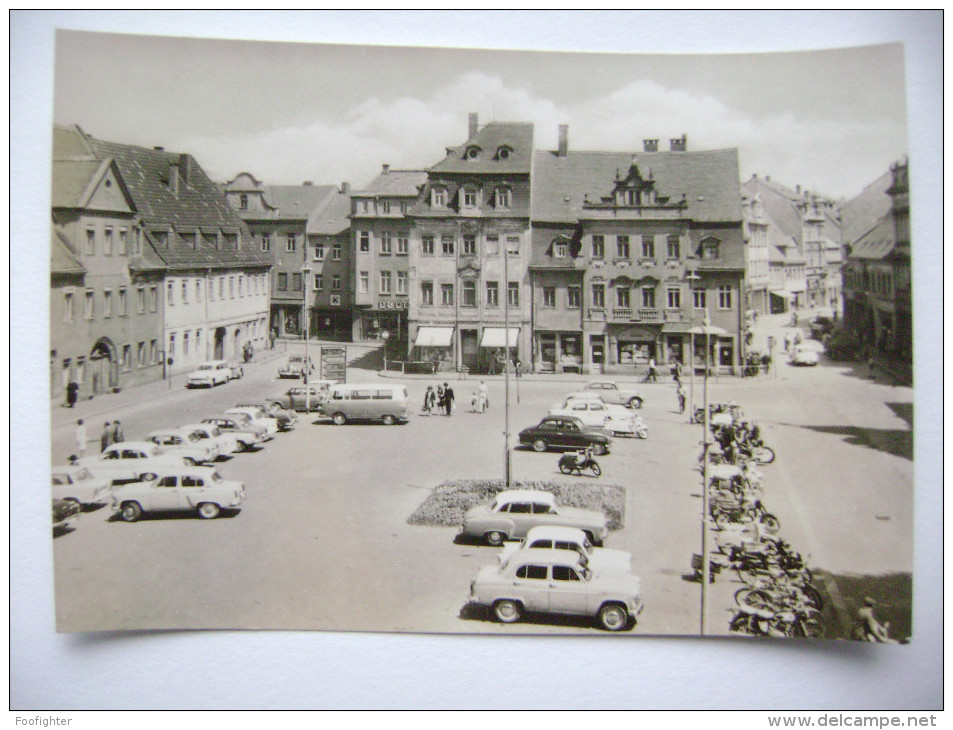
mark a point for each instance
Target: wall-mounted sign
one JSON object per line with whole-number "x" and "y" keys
{"x": 393, "y": 303}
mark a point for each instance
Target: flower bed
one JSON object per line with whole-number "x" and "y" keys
{"x": 449, "y": 501}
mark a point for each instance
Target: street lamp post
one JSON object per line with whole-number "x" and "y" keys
{"x": 306, "y": 273}
{"x": 706, "y": 443}
{"x": 506, "y": 361}
{"x": 385, "y": 335}
{"x": 691, "y": 277}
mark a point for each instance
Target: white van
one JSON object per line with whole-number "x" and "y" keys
{"x": 369, "y": 401}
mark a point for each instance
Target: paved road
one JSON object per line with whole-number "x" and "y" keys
{"x": 323, "y": 541}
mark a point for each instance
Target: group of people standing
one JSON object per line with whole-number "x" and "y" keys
{"x": 112, "y": 434}
{"x": 439, "y": 400}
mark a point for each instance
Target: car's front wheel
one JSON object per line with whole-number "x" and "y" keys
{"x": 635, "y": 402}
{"x": 388, "y": 420}
{"x": 598, "y": 449}
{"x": 508, "y": 611}
{"x": 539, "y": 445}
{"x": 339, "y": 419}
{"x": 495, "y": 538}
{"x": 613, "y": 617}
{"x": 208, "y": 510}
{"x": 130, "y": 511}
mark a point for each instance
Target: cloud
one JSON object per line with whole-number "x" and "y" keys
{"x": 833, "y": 156}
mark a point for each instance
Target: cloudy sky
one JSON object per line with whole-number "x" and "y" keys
{"x": 288, "y": 112}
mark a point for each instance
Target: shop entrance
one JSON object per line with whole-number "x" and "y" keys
{"x": 469, "y": 349}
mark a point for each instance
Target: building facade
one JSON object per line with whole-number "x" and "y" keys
{"x": 329, "y": 272}
{"x": 470, "y": 250}
{"x": 757, "y": 258}
{"x": 633, "y": 252}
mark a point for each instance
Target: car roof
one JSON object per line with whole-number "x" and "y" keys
{"x": 133, "y": 445}
{"x": 525, "y": 495}
{"x": 185, "y": 471}
{"x": 554, "y": 532}
{"x": 548, "y": 556}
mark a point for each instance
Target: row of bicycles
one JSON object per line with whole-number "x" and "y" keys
{"x": 778, "y": 597}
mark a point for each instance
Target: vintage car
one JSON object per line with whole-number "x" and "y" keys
{"x": 257, "y": 416}
{"x": 296, "y": 398}
{"x": 560, "y": 582}
{"x": 612, "y": 393}
{"x": 821, "y": 326}
{"x": 199, "y": 489}
{"x": 511, "y": 514}
{"x": 185, "y": 443}
{"x": 241, "y": 427}
{"x": 294, "y": 367}
{"x": 554, "y": 537}
{"x": 285, "y": 417}
{"x": 77, "y": 484}
{"x": 209, "y": 374}
{"x": 565, "y": 432}
{"x": 235, "y": 370}
{"x": 803, "y": 355}
{"x": 65, "y": 513}
{"x": 594, "y": 412}
{"x": 128, "y": 459}
{"x": 226, "y": 443}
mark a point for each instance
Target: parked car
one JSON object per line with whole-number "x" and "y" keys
{"x": 286, "y": 418}
{"x": 77, "y": 484}
{"x": 247, "y": 433}
{"x": 366, "y": 402}
{"x": 209, "y": 374}
{"x": 612, "y": 393}
{"x": 803, "y": 355}
{"x": 294, "y": 367}
{"x": 296, "y": 398}
{"x": 565, "y": 432}
{"x": 554, "y": 537}
{"x": 226, "y": 443}
{"x": 559, "y": 582}
{"x": 511, "y": 514}
{"x": 199, "y": 489}
{"x": 594, "y": 412}
{"x": 65, "y": 513}
{"x": 235, "y": 370}
{"x": 129, "y": 459}
{"x": 187, "y": 444}
{"x": 257, "y": 416}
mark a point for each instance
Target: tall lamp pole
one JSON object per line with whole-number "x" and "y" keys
{"x": 506, "y": 360}
{"x": 306, "y": 272}
{"x": 706, "y": 444}
{"x": 691, "y": 277}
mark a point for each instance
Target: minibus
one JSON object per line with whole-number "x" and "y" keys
{"x": 366, "y": 402}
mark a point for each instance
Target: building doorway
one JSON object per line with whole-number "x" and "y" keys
{"x": 104, "y": 367}
{"x": 469, "y": 349}
{"x": 219, "y": 343}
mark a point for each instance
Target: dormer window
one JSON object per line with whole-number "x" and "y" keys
{"x": 469, "y": 198}
{"x": 710, "y": 248}
{"x": 471, "y": 153}
{"x": 439, "y": 197}
{"x": 243, "y": 202}
{"x": 503, "y": 152}
{"x": 504, "y": 197}
{"x": 560, "y": 249}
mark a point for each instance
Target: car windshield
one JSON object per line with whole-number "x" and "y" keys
{"x": 193, "y": 437}
{"x": 205, "y": 367}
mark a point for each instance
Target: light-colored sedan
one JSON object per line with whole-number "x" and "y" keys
{"x": 257, "y": 416}
{"x": 77, "y": 484}
{"x": 553, "y": 537}
{"x": 187, "y": 444}
{"x": 196, "y": 489}
{"x": 226, "y": 443}
{"x": 612, "y": 393}
{"x": 129, "y": 459}
{"x": 511, "y": 514}
{"x": 209, "y": 374}
{"x": 593, "y": 411}
{"x": 803, "y": 355}
{"x": 557, "y": 581}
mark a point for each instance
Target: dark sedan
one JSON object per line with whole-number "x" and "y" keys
{"x": 565, "y": 432}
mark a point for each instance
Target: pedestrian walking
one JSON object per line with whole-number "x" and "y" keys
{"x": 81, "y": 437}
{"x": 652, "y": 375}
{"x": 118, "y": 436}
{"x": 72, "y": 392}
{"x": 787, "y": 342}
{"x": 106, "y": 437}
{"x": 441, "y": 398}
{"x": 680, "y": 393}
{"x": 429, "y": 399}
{"x": 448, "y": 398}
{"x": 473, "y": 402}
{"x": 484, "y": 392}
{"x": 676, "y": 371}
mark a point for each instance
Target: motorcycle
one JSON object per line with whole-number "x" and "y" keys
{"x": 577, "y": 463}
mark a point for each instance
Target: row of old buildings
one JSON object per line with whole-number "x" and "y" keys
{"x": 584, "y": 261}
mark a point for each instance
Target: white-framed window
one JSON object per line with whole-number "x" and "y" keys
{"x": 243, "y": 202}
{"x": 426, "y": 293}
{"x": 185, "y": 344}
{"x": 123, "y": 302}
{"x": 90, "y": 241}
{"x": 153, "y": 351}
{"x": 127, "y": 357}
{"x": 291, "y": 243}
{"x": 231, "y": 287}
{"x": 599, "y": 296}
{"x": 598, "y": 247}
{"x": 402, "y": 244}
{"x": 469, "y": 244}
{"x": 266, "y": 242}
{"x": 336, "y": 282}
{"x": 573, "y": 297}
{"x": 710, "y": 248}
{"x": 513, "y": 293}
{"x": 336, "y": 252}
{"x": 171, "y": 292}
{"x": 385, "y": 282}
{"x": 622, "y": 247}
{"x": 438, "y": 197}
{"x": 648, "y": 247}
{"x": 493, "y": 294}
{"x": 69, "y": 307}
{"x": 319, "y": 252}
{"x": 108, "y": 241}
{"x": 699, "y": 299}
{"x": 363, "y": 282}
{"x": 318, "y": 282}
{"x": 401, "y": 282}
{"x": 446, "y": 295}
{"x": 107, "y": 303}
{"x": 724, "y": 296}
{"x": 241, "y": 284}
{"x": 648, "y": 297}
{"x": 171, "y": 352}
{"x": 185, "y": 291}
{"x": 154, "y": 298}
{"x": 137, "y": 241}
{"x": 282, "y": 283}
{"x": 549, "y": 297}
{"x": 141, "y": 354}
{"x": 504, "y": 197}
{"x": 447, "y": 245}
{"x": 198, "y": 342}
{"x": 560, "y": 249}
{"x": 386, "y": 247}
{"x": 469, "y": 198}
{"x": 622, "y": 297}
{"x": 123, "y": 241}
{"x": 385, "y": 206}
{"x": 674, "y": 247}
{"x": 426, "y": 246}
{"x": 198, "y": 290}
{"x": 364, "y": 241}
{"x": 673, "y": 297}
{"x": 469, "y": 296}
{"x": 513, "y": 245}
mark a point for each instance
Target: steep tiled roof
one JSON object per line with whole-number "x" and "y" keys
{"x": 859, "y": 214}
{"x": 780, "y": 203}
{"x": 62, "y": 259}
{"x": 709, "y": 180}
{"x": 172, "y": 190}
{"x": 71, "y": 179}
{"x": 542, "y": 255}
{"x": 516, "y": 137}
{"x": 332, "y": 217}
{"x": 397, "y": 182}
{"x": 876, "y": 243}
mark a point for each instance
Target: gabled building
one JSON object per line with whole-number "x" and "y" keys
{"x": 877, "y": 279}
{"x": 630, "y": 252}
{"x": 470, "y": 252}
{"x": 380, "y": 245}
{"x": 106, "y": 279}
{"x": 329, "y": 291}
{"x": 215, "y": 278}
{"x": 277, "y": 218}
{"x": 757, "y": 256}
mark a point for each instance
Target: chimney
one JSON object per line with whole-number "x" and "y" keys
{"x": 474, "y": 125}
{"x": 563, "y": 140}
{"x": 650, "y": 145}
{"x": 308, "y": 183}
{"x": 679, "y": 144}
{"x": 345, "y": 188}
{"x": 385, "y": 169}
{"x": 185, "y": 167}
